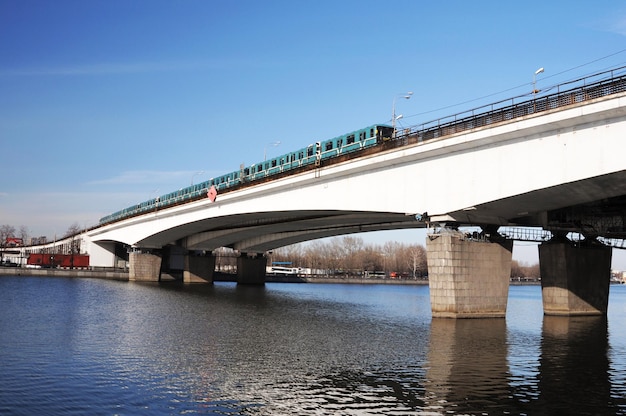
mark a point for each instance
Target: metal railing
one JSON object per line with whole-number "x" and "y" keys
{"x": 538, "y": 235}
{"x": 572, "y": 92}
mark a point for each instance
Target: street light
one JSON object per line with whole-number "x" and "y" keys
{"x": 393, "y": 111}
{"x": 537, "y": 72}
{"x": 197, "y": 173}
{"x": 273, "y": 144}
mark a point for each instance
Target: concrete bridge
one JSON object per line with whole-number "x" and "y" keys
{"x": 554, "y": 162}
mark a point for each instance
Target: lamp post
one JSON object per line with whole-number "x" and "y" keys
{"x": 537, "y": 72}
{"x": 197, "y": 173}
{"x": 273, "y": 144}
{"x": 393, "y": 111}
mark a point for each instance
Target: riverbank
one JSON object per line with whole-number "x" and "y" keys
{"x": 219, "y": 277}
{"x": 82, "y": 273}
{"x": 355, "y": 280}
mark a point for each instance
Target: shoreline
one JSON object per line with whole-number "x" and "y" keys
{"x": 80, "y": 273}
{"x": 218, "y": 277}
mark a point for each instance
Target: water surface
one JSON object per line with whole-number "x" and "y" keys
{"x": 86, "y": 346}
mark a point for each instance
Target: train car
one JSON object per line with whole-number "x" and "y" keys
{"x": 48, "y": 260}
{"x": 355, "y": 141}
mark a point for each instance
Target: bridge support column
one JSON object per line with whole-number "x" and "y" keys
{"x": 468, "y": 278}
{"x": 198, "y": 268}
{"x": 144, "y": 267}
{"x": 574, "y": 278}
{"x": 251, "y": 269}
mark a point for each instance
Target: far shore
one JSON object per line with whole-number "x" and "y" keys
{"x": 218, "y": 277}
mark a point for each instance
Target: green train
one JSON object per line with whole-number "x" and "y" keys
{"x": 312, "y": 155}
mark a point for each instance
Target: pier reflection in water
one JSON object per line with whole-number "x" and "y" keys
{"x": 574, "y": 366}
{"x": 467, "y": 365}
{"x": 99, "y": 347}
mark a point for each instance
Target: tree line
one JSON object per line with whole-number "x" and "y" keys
{"x": 8, "y": 231}
{"x": 351, "y": 256}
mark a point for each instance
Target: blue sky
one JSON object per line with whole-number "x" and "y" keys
{"x": 107, "y": 103}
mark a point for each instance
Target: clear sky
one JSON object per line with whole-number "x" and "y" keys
{"x": 106, "y": 103}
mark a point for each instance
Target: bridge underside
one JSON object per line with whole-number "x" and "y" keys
{"x": 264, "y": 231}
{"x": 594, "y": 207}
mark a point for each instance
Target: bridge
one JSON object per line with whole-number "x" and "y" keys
{"x": 553, "y": 162}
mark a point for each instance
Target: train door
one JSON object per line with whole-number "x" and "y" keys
{"x": 318, "y": 153}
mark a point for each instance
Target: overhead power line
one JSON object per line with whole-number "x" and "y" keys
{"x": 516, "y": 87}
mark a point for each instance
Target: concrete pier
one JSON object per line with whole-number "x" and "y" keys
{"x": 144, "y": 267}
{"x": 468, "y": 278}
{"x": 198, "y": 269}
{"x": 251, "y": 269}
{"x": 575, "y": 278}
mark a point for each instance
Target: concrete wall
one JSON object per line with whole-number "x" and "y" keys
{"x": 574, "y": 279}
{"x": 144, "y": 267}
{"x": 94, "y": 274}
{"x": 199, "y": 269}
{"x": 251, "y": 269}
{"x": 468, "y": 279}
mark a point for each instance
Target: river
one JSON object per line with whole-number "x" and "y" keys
{"x": 99, "y": 347}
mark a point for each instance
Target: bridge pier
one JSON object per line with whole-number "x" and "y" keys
{"x": 198, "y": 268}
{"x": 144, "y": 266}
{"x": 251, "y": 269}
{"x": 468, "y": 278}
{"x": 575, "y": 278}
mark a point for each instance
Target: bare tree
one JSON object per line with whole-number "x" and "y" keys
{"x": 23, "y": 233}
{"x": 352, "y": 246}
{"x": 389, "y": 252}
{"x": 6, "y": 231}
{"x": 315, "y": 254}
{"x": 522, "y": 270}
{"x": 414, "y": 257}
{"x": 73, "y": 230}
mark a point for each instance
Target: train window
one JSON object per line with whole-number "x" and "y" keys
{"x": 371, "y": 132}
{"x": 274, "y": 163}
{"x": 309, "y": 151}
{"x": 329, "y": 145}
{"x": 350, "y": 139}
{"x": 361, "y": 136}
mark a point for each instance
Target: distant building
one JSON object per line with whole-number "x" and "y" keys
{"x": 38, "y": 240}
{"x": 618, "y": 276}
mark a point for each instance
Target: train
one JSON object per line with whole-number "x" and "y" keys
{"x": 313, "y": 155}
{"x": 69, "y": 261}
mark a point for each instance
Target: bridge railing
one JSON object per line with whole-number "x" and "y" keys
{"x": 572, "y": 92}
{"x": 539, "y": 235}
